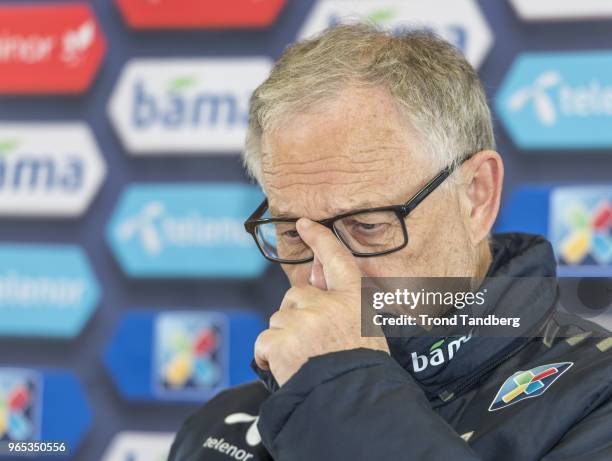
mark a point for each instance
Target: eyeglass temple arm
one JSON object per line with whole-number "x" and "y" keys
{"x": 256, "y": 214}
{"x": 430, "y": 187}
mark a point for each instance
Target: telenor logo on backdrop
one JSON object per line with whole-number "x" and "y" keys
{"x": 458, "y": 21}
{"x": 185, "y": 106}
{"x": 178, "y": 230}
{"x": 558, "y": 100}
{"x": 581, "y": 226}
{"x": 52, "y": 169}
{"x": 143, "y": 14}
{"x": 139, "y": 446}
{"x": 190, "y": 354}
{"x": 554, "y": 9}
{"x": 20, "y": 404}
{"x": 45, "y": 290}
{"x": 42, "y": 56}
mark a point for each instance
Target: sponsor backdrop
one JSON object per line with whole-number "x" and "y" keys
{"x": 129, "y": 293}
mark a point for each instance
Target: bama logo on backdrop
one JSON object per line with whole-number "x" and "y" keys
{"x": 558, "y": 100}
{"x": 139, "y": 446}
{"x": 185, "y": 230}
{"x": 169, "y": 106}
{"x": 528, "y": 384}
{"x": 48, "y": 169}
{"x": 165, "y": 14}
{"x": 42, "y": 56}
{"x": 457, "y": 21}
{"x": 45, "y": 290}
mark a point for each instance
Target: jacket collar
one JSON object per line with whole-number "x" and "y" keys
{"x": 519, "y": 261}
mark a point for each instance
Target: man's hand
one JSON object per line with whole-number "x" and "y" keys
{"x": 311, "y": 321}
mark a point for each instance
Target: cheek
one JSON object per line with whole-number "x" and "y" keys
{"x": 382, "y": 266}
{"x": 437, "y": 246}
{"x": 442, "y": 248}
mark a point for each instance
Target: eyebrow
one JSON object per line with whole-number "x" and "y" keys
{"x": 360, "y": 206}
{"x": 281, "y": 215}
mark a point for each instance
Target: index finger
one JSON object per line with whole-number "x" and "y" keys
{"x": 339, "y": 267}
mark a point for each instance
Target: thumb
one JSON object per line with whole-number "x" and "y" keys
{"x": 339, "y": 267}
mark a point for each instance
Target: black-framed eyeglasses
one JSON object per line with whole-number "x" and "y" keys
{"x": 365, "y": 232}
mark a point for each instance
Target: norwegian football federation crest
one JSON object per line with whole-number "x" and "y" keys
{"x": 526, "y": 384}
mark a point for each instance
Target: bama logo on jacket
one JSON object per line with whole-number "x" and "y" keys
{"x": 440, "y": 352}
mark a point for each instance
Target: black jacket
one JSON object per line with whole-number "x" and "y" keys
{"x": 366, "y": 405}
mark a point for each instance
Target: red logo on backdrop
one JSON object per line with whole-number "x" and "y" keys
{"x": 154, "y": 14}
{"x": 50, "y": 48}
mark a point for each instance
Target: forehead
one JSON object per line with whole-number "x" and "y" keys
{"x": 354, "y": 151}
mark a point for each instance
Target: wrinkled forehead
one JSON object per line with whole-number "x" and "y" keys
{"x": 354, "y": 152}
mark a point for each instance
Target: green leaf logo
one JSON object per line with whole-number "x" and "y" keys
{"x": 182, "y": 83}
{"x": 436, "y": 345}
{"x": 381, "y": 15}
{"x": 7, "y": 145}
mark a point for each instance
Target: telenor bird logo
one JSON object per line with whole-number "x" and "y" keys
{"x": 537, "y": 93}
{"x": 76, "y": 42}
{"x": 252, "y": 436}
{"x": 143, "y": 226}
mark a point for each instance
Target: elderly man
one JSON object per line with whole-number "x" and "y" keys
{"x": 377, "y": 158}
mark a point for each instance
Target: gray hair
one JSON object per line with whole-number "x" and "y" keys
{"x": 435, "y": 87}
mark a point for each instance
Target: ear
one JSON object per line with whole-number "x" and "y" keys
{"x": 483, "y": 175}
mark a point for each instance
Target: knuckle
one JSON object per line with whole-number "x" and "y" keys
{"x": 262, "y": 342}
{"x": 292, "y": 292}
{"x": 290, "y": 298}
{"x": 295, "y": 296}
{"x": 276, "y": 319}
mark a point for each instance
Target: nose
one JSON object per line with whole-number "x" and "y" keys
{"x": 317, "y": 277}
